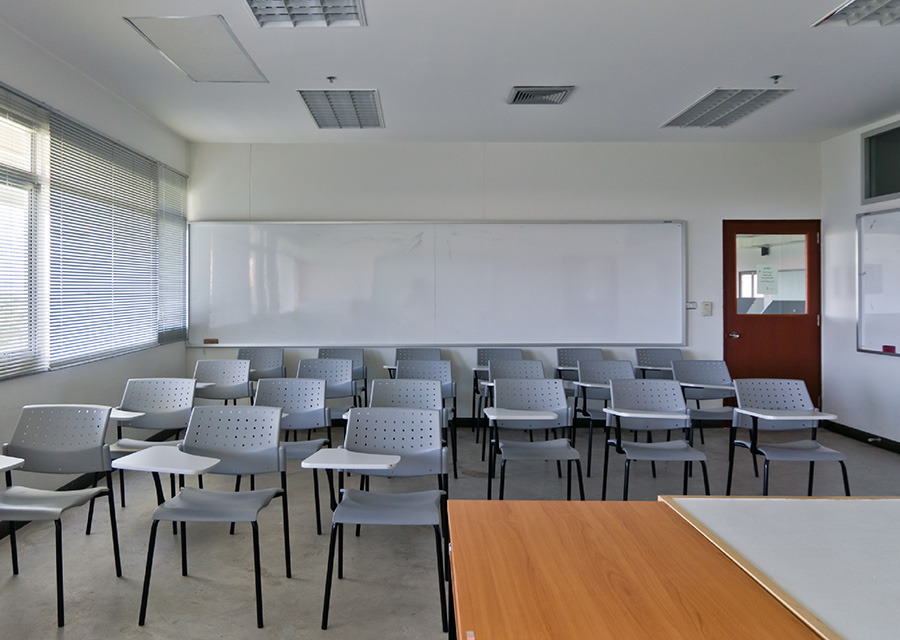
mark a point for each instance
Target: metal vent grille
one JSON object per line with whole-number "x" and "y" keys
{"x": 344, "y": 109}
{"x": 308, "y": 13}
{"x": 881, "y": 12}
{"x": 722, "y": 107}
{"x": 539, "y": 95}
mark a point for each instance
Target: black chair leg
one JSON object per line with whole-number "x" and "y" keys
{"x": 318, "y": 505}
{"x": 184, "y": 563}
{"x": 843, "y": 473}
{"x": 765, "y": 477}
{"x": 502, "y": 477}
{"x": 705, "y": 476}
{"x": 146, "y": 591}
{"x": 605, "y": 469}
{"x": 122, "y": 486}
{"x": 812, "y": 468}
{"x": 237, "y": 487}
{"x": 113, "y": 526}
{"x": 684, "y": 484}
{"x": 440, "y": 565}
{"x": 257, "y": 574}
{"x": 13, "y": 552}
{"x": 329, "y": 575}
{"x": 590, "y": 446}
{"x": 60, "y": 614}
{"x": 625, "y": 488}
{"x": 90, "y": 516}
{"x": 568, "y": 480}
{"x": 287, "y": 527}
{"x": 580, "y": 479}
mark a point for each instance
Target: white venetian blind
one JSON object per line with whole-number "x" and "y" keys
{"x": 172, "y": 255}
{"x": 103, "y": 231}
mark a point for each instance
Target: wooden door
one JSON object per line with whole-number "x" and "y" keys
{"x": 772, "y": 300}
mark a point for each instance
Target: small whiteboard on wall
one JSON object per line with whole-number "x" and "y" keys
{"x": 878, "y": 321}
{"x": 388, "y": 284}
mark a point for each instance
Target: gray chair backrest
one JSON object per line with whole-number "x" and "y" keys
{"x": 648, "y": 395}
{"x": 413, "y": 434}
{"x": 409, "y": 393}
{"x": 165, "y": 402}
{"x": 245, "y": 439}
{"x": 336, "y": 372}
{"x": 773, "y": 393}
{"x": 231, "y": 378}
{"x": 356, "y": 354}
{"x": 656, "y": 357}
{"x": 603, "y": 371}
{"x": 532, "y": 394}
{"x": 265, "y": 362}
{"x": 62, "y": 438}
{"x": 703, "y": 372}
{"x": 429, "y": 370}
{"x": 302, "y": 399}
{"x": 486, "y": 354}
{"x": 417, "y": 353}
{"x": 515, "y": 369}
{"x": 571, "y": 356}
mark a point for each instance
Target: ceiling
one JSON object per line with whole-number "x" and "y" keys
{"x": 444, "y": 68}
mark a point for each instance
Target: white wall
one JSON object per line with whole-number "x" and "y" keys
{"x": 700, "y": 183}
{"x": 861, "y": 388}
{"x": 30, "y": 70}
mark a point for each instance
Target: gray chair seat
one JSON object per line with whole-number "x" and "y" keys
{"x": 559, "y": 449}
{"x": 302, "y": 449}
{"x": 366, "y": 507}
{"x": 800, "y": 451}
{"x": 673, "y": 451}
{"x": 204, "y": 505}
{"x": 24, "y": 503}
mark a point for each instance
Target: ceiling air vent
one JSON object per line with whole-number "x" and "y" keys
{"x": 539, "y": 95}
{"x": 308, "y": 13}
{"x": 344, "y": 109}
{"x": 880, "y": 12}
{"x": 722, "y": 107}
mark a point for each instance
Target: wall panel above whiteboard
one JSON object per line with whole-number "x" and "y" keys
{"x": 371, "y": 284}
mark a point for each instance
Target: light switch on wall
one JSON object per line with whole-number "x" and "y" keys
{"x": 706, "y": 308}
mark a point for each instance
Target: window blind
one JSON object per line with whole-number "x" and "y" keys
{"x": 172, "y": 256}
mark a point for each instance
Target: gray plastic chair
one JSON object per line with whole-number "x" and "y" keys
{"x": 483, "y": 356}
{"x": 417, "y": 353}
{"x": 651, "y": 395}
{"x": 360, "y": 373}
{"x": 571, "y": 356}
{"x": 303, "y": 402}
{"x": 246, "y": 442}
{"x": 712, "y": 372}
{"x": 166, "y": 404}
{"x": 598, "y": 371}
{"x": 441, "y": 371}
{"x": 414, "y": 434}
{"x": 776, "y": 393}
{"x": 58, "y": 439}
{"x": 265, "y": 362}
{"x": 230, "y": 378}
{"x": 337, "y": 374}
{"x": 656, "y": 357}
{"x": 526, "y": 369}
{"x": 533, "y": 394}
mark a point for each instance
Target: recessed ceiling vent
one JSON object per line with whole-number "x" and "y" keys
{"x": 873, "y": 12}
{"x": 344, "y": 109}
{"x": 722, "y": 107}
{"x": 308, "y": 13}
{"x": 539, "y": 95}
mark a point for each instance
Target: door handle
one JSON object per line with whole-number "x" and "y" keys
{"x": 734, "y": 335}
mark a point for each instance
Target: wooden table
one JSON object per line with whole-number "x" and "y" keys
{"x": 594, "y": 570}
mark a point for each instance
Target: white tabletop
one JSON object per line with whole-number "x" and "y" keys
{"x": 7, "y": 463}
{"x": 703, "y": 385}
{"x": 591, "y": 385}
{"x": 785, "y": 414}
{"x": 122, "y": 414}
{"x": 495, "y": 413}
{"x": 165, "y": 460}
{"x": 642, "y": 413}
{"x": 344, "y": 459}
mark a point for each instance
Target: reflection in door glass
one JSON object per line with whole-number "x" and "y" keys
{"x": 771, "y": 271}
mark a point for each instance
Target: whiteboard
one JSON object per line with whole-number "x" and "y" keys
{"x": 878, "y": 321}
{"x": 388, "y": 284}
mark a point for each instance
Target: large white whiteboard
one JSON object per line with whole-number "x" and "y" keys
{"x": 387, "y": 284}
{"x": 878, "y": 322}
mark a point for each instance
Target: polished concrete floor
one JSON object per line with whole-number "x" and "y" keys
{"x": 390, "y": 587}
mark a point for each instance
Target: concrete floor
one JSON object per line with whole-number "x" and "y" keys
{"x": 390, "y": 585}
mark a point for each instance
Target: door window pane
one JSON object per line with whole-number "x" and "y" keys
{"x": 771, "y": 271}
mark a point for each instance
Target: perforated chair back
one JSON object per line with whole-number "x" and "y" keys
{"x": 336, "y": 372}
{"x": 602, "y": 371}
{"x": 649, "y": 395}
{"x": 656, "y": 357}
{"x": 409, "y": 393}
{"x": 301, "y": 399}
{"x": 532, "y": 394}
{"x": 165, "y": 402}
{"x": 772, "y": 393}
{"x": 440, "y": 370}
{"x": 703, "y": 372}
{"x": 231, "y": 379}
{"x": 417, "y": 353}
{"x": 486, "y": 354}
{"x": 265, "y": 362}
{"x": 413, "y": 434}
{"x": 356, "y": 354}
{"x": 571, "y": 356}
{"x": 62, "y": 438}
{"x": 515, "y": 369}
{"x": 245, "y": 439}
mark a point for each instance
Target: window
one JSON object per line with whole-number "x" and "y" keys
{"x": 86, "y": 226}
